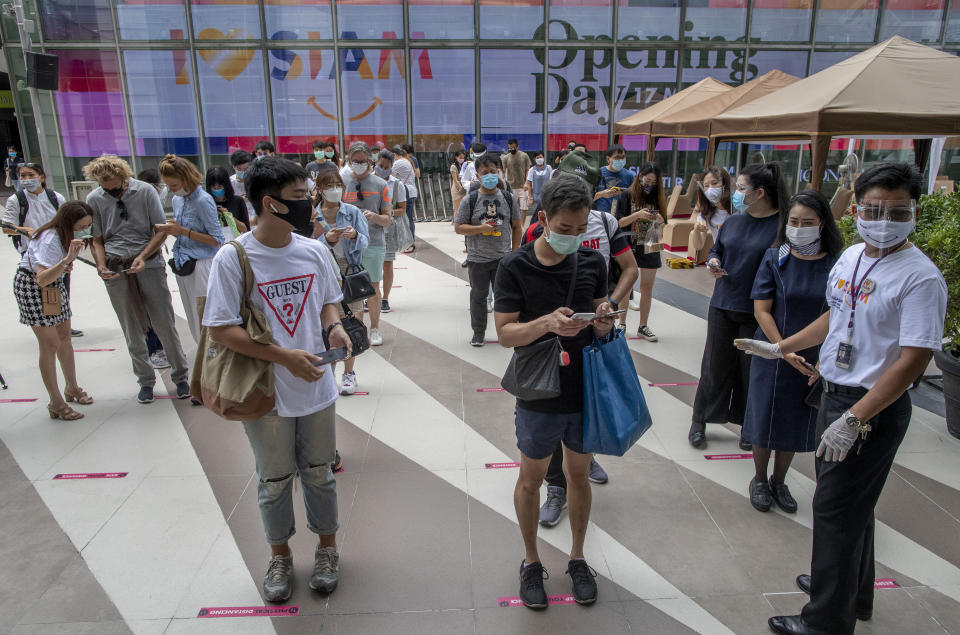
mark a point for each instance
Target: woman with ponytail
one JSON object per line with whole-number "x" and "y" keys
{"x": 759, "y": 197}
{"x": 197, "y": 228}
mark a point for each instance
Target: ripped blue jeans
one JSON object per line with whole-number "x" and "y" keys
{"x": 284, "y": 447}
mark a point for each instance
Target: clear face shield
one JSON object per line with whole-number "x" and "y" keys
{"x": 885, "y": 225}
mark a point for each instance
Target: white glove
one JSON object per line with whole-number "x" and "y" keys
{"x": 837, "y": 440}
{"x": 766, "y": 350}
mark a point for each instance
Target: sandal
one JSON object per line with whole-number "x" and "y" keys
{"x": 79, "y": 396}
{"x": 64, "y": 412}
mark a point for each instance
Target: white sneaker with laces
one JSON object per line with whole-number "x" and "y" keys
{"x": 634, "y": 305}
{"x": 348, "y": 384}
{"x": 375, "y": 338}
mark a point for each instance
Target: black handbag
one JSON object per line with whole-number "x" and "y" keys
{"x": 534, "y": 370}
{"x": 357, "y": 284}
{"x": 185, "y": 269}
{"x": 356, "y": 331}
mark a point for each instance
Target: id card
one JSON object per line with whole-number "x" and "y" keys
{"x": 845, "y": 356}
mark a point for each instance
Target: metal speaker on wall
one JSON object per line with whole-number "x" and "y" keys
{"x": 42, "y": 71}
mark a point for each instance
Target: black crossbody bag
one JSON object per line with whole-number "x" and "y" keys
{"x": 534, "y": 370}
{"x": 355, "y": 329}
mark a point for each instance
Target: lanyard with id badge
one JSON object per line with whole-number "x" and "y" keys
{"x": 845, "y": 350}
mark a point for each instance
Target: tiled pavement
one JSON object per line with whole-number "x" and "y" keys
{"x": 428, "y": 539}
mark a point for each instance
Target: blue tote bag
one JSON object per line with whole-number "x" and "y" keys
{"x": 615, "y": 413}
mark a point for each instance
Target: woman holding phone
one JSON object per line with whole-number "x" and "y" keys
{"x": 344, "y": 229}
{"x": 639, "y": 209}
{"x": 197, "y": 227}
{"x": 759, "y": 198}
{"x": 787, "y": 296}
{"x": 46, "y": 262}
{"x": 231, "y": 209}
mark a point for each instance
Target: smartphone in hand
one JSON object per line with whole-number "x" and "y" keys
{"x": 593, "y": 316}
{"x": 331, "y": 356}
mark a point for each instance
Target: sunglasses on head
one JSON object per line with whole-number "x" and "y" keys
{"x": 124, "y": 215}
{"x": 359, "y": 192}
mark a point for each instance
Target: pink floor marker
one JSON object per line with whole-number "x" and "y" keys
{"x": 357, "y": 394}
{"x": 726, "y": 457}
{"x": 93, "y": 350}
{"x": 249, "y": 611}
{"x": 397, "y": 286}
{"x": 551, "y": 600}
{"x": 490, "y": 390}
{"x": 81, "y": 476}
{"x": 885, "y": 583}
{"x": 681, "y": 383}
{"x": 17, "y": 400}
{"x": 491, "y": 341}
{"x": 501, "y": 466}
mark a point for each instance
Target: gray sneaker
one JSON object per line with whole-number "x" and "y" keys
{"x": 556, "y": 502}
{"x": 278, "y": 583}
{"x": 159, "y": 360}
{"x": 326, "y": 570}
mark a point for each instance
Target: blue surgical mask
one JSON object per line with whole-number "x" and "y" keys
{"x": 737, "y": 201}
{"x": 241, "y": 174}
{"x": 12, "y": 155}
{"x": 218, "y": 191}
{"x": 489, "y": 181}
{"x": 328, "y": 154}
{"x": 564, "y": 244}
{"x": 619, "y": 164}
{"x": 80, "y": 234}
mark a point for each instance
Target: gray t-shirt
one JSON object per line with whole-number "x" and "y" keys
{"x": 377, "y": 198}
{"x": 489, "y": 207}
{"x": 128, "y": 237}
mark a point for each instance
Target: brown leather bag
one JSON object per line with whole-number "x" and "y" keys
{"x": 231, "y": 385}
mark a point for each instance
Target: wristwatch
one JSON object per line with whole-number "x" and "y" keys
{"x": 326, "y": 331}
{"x": 852, "y": 420}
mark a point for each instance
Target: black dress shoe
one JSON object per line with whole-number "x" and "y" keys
{"x": 745, "y": 445}
{"x": 792, "y": 625}
{"x": 697, "y": 435}
{"x": 803, "y": 583}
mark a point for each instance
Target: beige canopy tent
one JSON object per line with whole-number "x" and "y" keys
{"x": 897, "y": 88}
{"x": 695, "y": 121}
{"x": 641, "y": 123}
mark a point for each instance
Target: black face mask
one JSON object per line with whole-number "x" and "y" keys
{"x": 115, "y": 192}
{"x": 299, "y": 215}
{"x": 513, "y": 150}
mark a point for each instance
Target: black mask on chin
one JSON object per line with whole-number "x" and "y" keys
{"x": 299, "y": 215}
{"x": 114, "y": 192}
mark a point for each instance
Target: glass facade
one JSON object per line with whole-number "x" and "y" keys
{"x": 202, "y": 78}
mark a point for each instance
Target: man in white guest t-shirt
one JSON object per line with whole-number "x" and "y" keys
{"x": 887, "y": 305}
{"x": 296, "y": 288}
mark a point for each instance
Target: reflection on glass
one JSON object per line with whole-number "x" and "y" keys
{"x": 151, "y": 20}
{"x": 511, "y": 97}
{"x": 730, "y": 66}
{"x": 232, "y": 95}
{"x": 779, "y": 21}
{"x": 301, "y": 20}
{"x": 791, "y": 62}
{"x": 303, "y": 84}
{"x": 76, "y": 20}
{"x": 90, "y": 104}
{"x": 577, "y": 19}
{"x": 225, "y": 20}
{"x": 441, "y": 19}
{"x": 443, "y": 98}
{"x": 847, "y": 20}
{"x": 374, "y": 95}
{"x": 648, "y": 19}
{"x": 160, "y": 92}
{"x": 370, "y": 19}
{"x": 644, "y": 77}
{"x": 509, "y": 20}
{"x": 824, "y": 59}
{"x": 953, "y": 26}
{"x": 711, "y": 21}
{"x": 577, "y": 97}
{"x": 917, "y": 20}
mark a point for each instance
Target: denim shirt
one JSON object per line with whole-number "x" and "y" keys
{"x": 351, "y": 216}
{"x": 198, "y": 212}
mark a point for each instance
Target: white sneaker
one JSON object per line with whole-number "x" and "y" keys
{"x": 634, "y": 305}
{"x": 348, "y": 384}
{"x": 489, "y": 305}
{"x": 375, "y": 338}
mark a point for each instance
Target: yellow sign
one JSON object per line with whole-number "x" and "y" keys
{"x": 6, "y": 99}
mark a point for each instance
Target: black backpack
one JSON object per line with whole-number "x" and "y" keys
{"x": 25, "y": 206}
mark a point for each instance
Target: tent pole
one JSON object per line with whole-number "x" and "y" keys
{"x": 651, "y": 148}
{"x": 819, "y": 147}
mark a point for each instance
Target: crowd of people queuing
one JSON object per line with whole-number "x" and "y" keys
{"x": 782, "y": 358}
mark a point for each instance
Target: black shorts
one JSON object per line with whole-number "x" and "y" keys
{"x": 645, "y": 260}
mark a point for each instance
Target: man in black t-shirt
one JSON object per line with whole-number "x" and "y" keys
{"x": 533, "y": 284}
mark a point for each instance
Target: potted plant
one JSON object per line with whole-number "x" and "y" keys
{"x": 937, "y": 237}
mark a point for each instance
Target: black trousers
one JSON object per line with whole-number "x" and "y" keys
{"x": 482, "y": 275}
{"x": 555, "y": 475}
{"x": 724, "y": 371}
{"x": 842, "y": 570}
